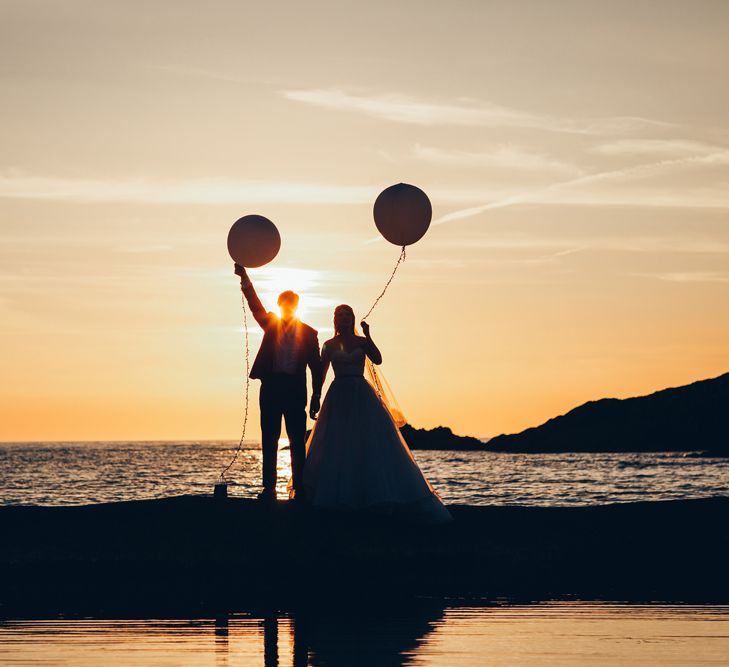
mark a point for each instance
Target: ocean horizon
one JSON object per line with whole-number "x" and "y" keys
{"x": 87, "y": 472}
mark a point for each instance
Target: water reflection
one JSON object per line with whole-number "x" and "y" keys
{"x": 299, "y": 645}
{"x": 222, "y": 643}
{"x": 327, "y": 639}
{"x": 283, "y": 468}
{"x": 270, "y": 641}
{"x": 546, "y": 635}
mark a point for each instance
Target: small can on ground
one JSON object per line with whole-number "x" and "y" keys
{"x": 220, "y": 492}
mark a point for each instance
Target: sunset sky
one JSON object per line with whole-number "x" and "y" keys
{"x": 576, "y": 155}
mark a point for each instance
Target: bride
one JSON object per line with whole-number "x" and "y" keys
{"x": 356, "y": 458}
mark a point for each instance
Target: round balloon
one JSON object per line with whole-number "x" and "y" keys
{"x": 402, "y": 214}
{"x": 253, "y": 241}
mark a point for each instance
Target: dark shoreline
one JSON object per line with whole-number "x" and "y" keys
{"x": 190, "y": 553}
{"x": 691, "y": 417}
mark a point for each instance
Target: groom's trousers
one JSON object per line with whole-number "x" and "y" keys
{"x": 283, "y": 396}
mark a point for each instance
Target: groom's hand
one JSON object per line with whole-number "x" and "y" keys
{"x": 239, "y": 271}
{"x": 314, "y": 406}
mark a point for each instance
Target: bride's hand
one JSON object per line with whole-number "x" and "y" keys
{"x": 365, "y": 328}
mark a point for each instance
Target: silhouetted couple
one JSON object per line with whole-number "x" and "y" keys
{"x": 355, "y": 457}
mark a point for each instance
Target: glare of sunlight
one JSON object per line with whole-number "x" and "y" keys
{"x": 272, "y": 280}
{"x": 283, "y": 467}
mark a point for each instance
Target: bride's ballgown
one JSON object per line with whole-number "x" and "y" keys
{"x": 356, "y": 458}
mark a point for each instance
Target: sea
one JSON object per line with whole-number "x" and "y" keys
{"x": 78, "y": 473}
{"x": 443, "y": 633}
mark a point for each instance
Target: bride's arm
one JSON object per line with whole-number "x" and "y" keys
{"x": 370, "y": 348}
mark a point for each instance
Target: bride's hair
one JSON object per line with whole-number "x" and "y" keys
{"x": 374, "y": 377}
{"x": 343, "y": 308}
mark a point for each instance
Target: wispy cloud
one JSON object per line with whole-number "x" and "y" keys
{"x": 629, "y": 186}
{"x": 579, "y": 190}
{"x": 21, "y": 185}
{"x": 464, "y": 112}
{"x": 688, "y": 276}
{"x": 144, "y": 249}
{"x": 199, "y": 72}
{"x": 500, "y": 157}
{"x": 206, "y": 191}
{"x": 664, "y": 147}
{"x": 560, "y": 246}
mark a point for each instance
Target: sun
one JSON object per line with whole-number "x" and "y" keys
{"x": 273, "y": 280}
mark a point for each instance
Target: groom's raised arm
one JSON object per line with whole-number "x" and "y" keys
{"x": 254, "y": 303}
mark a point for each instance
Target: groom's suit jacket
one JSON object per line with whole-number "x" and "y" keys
{"x": 307, "y": 346}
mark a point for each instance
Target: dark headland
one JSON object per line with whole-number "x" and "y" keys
{"x": 440, "y": 437}
{"x": 691, "y": 418}
{"x": 191, "y": 552}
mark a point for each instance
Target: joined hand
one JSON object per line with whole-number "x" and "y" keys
{"x": 314, "y": 406}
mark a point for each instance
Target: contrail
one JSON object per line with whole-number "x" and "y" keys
{"x": 719, "y": 157}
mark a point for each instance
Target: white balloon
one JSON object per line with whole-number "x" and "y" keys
{"x": 402, "y": 214}
{"x": 253, "y": 241}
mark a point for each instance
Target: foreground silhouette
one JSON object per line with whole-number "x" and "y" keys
{"x": 288, "y": 347}
{"x": 356, "y": 457}
{"x": 189, "y": 553}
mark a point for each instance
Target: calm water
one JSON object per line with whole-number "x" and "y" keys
{"x": 545, "y": 635}
{"x": 77, "y": 473}
{"x": 562, "y": 634}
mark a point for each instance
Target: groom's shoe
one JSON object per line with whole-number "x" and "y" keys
{"x": 267, "y": 495}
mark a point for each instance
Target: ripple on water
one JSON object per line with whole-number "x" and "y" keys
{"x": 77, "y": 473}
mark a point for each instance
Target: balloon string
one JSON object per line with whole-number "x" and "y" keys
{"x": 400, "y": 260}
{"x": 248, "y": 384}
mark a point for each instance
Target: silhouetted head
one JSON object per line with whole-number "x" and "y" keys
{"x": 343, "y": 319}
{"x": 288, "y": 302}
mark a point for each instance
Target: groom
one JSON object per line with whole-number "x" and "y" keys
{"x": 288, "y": 347}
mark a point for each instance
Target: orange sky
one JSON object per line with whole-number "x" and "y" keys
{"x": 576, "y": 154}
